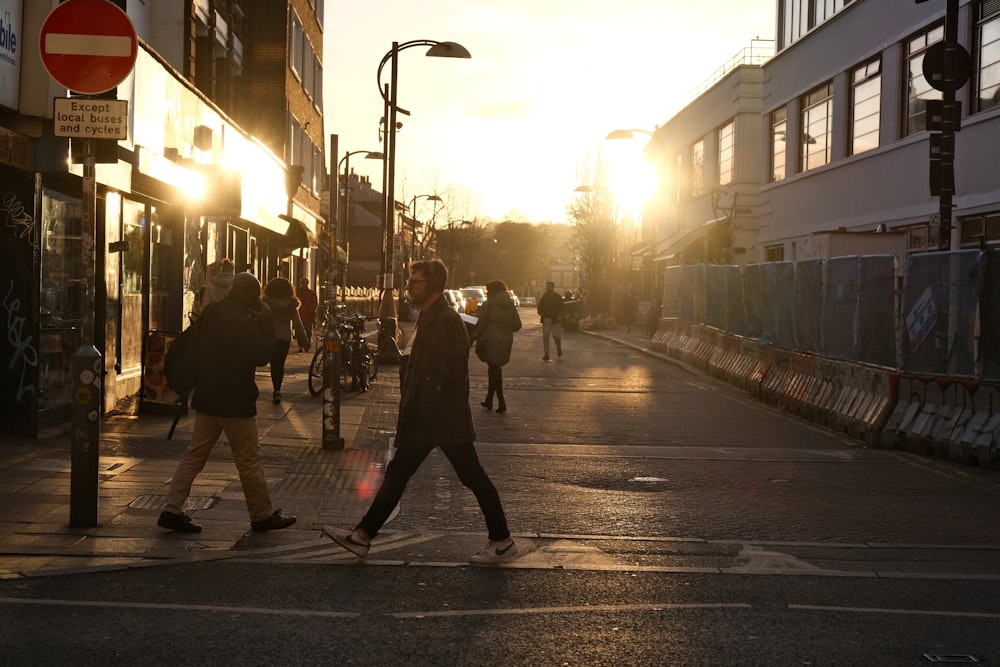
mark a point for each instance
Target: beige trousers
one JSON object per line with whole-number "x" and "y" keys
{"x": 243, "y": 441}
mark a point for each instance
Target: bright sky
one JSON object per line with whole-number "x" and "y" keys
{"x": 510, "y": 133}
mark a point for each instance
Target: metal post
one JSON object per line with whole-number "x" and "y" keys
{"x": 948, "y": 121}
{"x": 331, "y": 338}
{"x": 388, "y": 350}
{"x": 87, "y": 368}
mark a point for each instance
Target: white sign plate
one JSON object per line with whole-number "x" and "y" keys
{"x": 82, "y": 118}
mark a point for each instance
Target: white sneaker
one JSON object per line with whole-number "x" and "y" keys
{"x": 500, "y": 551}
{"x": 350, "y": 541}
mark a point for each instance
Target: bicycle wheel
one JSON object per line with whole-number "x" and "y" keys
{"x": 316, "y": 372}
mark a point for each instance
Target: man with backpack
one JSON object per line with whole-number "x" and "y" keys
{"x": 232, "y": 338}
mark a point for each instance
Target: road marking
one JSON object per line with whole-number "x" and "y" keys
{"x": 587, "y": 609}
{"x": 181, "y": 607}
{"x": 897, "y": 612}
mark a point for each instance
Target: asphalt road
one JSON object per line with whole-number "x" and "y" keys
{"x": 664, "y": 519}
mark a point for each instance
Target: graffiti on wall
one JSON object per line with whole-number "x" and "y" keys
{"x": 25, "y": 356}
{"x": 17, "y": 216}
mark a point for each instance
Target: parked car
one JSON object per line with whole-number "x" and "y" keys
{"x": 514, "y": 298}
{"x": 529, "y": 301}
{"x": 474, "y": 297}
{"x": 455, "y": 300}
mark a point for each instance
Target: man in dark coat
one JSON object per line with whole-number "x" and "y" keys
{"x": 434, "y": 412}
{"x": 550, "y": 308}
{"x": 233, "y": 337}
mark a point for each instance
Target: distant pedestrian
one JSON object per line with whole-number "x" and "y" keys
{"x": 308, "y": 303}
{"x": 550, "y": 308}
{"x": 220, "y": 281}
{"x": 654, "y": 315}
{"x": 434, "y": 412}
{"x": 630, "y": 307}
{"x": 498, "y": 321}
{"x": 234, "y": 336}
{"x": 279, "y": 295}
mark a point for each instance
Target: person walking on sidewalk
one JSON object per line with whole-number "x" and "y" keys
{"x": 235, "y": 336}
{"x": 550, "y": 308}
{"x": 498, "y": 320}
{"x": 279, "y": 295}
{"x": 630, "y": 305}
{"x": 434, "y": 411}
{"x": 308, "y": 303}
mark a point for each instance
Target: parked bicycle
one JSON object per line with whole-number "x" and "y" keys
{"x": 358, "y": 362}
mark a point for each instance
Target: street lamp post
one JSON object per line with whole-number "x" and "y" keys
{"x": 388, "y": 350}
{"x": 413, "y": 220}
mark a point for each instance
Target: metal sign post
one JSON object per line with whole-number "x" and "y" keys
{"x": 88, "y": 47}
{"x": 331, "y": 338}
{"x": 87, "y": 369}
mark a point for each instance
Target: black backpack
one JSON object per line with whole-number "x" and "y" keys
{"x": 183, "y": 362}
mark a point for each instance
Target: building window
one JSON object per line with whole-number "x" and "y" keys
{"x": 698, "y": 169}
{"x": 980, "y": 231}
{"x": 774, "y": 253}
{"x": 296, "y": 42}
{"x": 678, "y": 182}
{"x": 918, "y": 89}
{"x": 779, "y": 124}
{"x": 817, "y": 117}
{"x": 727, "y": 152}
{"x": 866, "y": 93}
{"x": 988, "y": 55}
{"x": 800, "y": 16}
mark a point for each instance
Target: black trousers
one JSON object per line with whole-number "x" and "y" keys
{"x": 464, "y": 460}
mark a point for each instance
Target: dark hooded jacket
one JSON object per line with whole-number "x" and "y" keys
{"x": 434, "y": 402}
{"x": 498, "y": 320}
{"x": 232, "y": 343}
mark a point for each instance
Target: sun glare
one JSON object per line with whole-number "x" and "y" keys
{"x": 632, "y": 180}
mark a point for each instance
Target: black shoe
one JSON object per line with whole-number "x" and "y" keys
{"x": 273, "y": 522}
{"x": 502, "y": 407}
{"x": 487, "y": 404}
{"x": 277, "y": 397}
{"x": 179, "y": 523}
{"x": 545, "y": 358}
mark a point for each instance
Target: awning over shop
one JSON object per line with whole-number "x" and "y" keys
{"x": 680, "y": 241}
{"x": 298, "y": 235}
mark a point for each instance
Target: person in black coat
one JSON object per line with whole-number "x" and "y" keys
{"x": 434, "y": 412}
{"x": 498, "y": 320}
{"x": 234, "y": 336}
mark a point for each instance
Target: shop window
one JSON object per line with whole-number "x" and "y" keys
{"x": 60, "y": 298}
{"x": 774, "y": 253}
{"x": 980, "y": 231}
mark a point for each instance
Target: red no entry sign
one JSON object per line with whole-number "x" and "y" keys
{"x": 88, "y": 46}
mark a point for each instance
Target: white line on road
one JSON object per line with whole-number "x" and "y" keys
{"x": 898, "y": 612}
{"x": 587, "y": 609}
{"x": 181, "y": 607}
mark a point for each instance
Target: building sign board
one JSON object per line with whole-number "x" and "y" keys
{"x": 10, "y": 52}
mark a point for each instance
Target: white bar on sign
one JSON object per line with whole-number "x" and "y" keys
{"x": 61, "y": 44}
